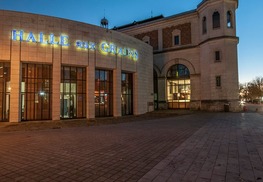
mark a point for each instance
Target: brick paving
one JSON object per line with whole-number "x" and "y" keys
{"x": 228, "y": 148}
{"x": 195, "y": 147}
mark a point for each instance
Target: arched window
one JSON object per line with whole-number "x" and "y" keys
{"x": 178, "y": 71}
{"x": 229, "y": 19}
{"x": 178, "y": 87}
{"x": 204, "y": 25}
{"x": 216, "y": 20}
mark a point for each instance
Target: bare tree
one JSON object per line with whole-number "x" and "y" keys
{"x": 255, "y": 89}
{"x": 244, "y": 93}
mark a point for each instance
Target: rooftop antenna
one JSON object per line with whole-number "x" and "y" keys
{"x": 104, "y": 22}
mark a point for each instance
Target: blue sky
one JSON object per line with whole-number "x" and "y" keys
{"x": 119, "y": 12}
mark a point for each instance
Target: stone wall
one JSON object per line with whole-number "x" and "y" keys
{"x": 17, "y": 52}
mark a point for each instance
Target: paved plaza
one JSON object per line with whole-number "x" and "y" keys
{"x": 194, "y": 147}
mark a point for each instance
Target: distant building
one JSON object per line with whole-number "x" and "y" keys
{"x": 195, "y": 56}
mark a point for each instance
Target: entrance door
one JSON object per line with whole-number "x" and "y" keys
{"x": 68, "y": 106}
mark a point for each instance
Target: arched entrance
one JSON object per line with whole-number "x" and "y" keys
{"x": 178, "y": 87}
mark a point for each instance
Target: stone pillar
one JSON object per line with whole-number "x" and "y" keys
{"x": 56, "y": 79}
{"x": 15, "y": 82}
{"x": 117, "y": 92}
{"x": 162, "y": 93}
{"x": 135, "y": 94}
{"x": 160, "y": 39}
{"x": 195, "y": 100}
{"x": 90, "y": 87}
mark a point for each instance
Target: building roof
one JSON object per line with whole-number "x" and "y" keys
{"x": 152, "y": 19}
{"x": 139, "y": 22}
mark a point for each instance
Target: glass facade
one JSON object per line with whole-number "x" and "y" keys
{"x": 103, "y": 94}
{"x": 73, "y": 92}
{"x": 126, "y": 94}
{"x": 178, "y": 87}
{"x": 36, "y": 92}
{"x": 4, "y": 91}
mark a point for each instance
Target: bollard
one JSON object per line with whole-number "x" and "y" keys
{"x": 244, "y": 108}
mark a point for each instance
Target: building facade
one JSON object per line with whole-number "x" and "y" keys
{"x": 52, "y": 69}
{"x": 195, "y": 56}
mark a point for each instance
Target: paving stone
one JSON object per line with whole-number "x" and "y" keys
{"x": 195, "y": 147}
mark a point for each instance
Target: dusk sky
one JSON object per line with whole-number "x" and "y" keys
{"x": 118, "y": 12}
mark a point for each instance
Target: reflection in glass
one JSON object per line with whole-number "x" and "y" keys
{"x": 36, "y": 92}
{"x": 103, "y": 93}
{"x": 178, "y": 87}
{"x": 73, "y": 92}
{"x": 4, "y": 91}
{"x": 126, "y": 94}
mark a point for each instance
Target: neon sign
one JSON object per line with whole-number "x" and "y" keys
{"x": 113, "y": 49}
{"x": 63, "y": 40}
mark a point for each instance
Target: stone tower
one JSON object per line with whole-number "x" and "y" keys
{"x": 218, "y": 54}
{"x": 194, "y": 56}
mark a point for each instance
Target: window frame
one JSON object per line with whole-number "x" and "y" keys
{"x": 176, "y": 33}
{"x": 218, "y": 56}
{"x": 76, "y": 82}
{"x": 103, "y": 92}
{"x": 229, "y": 19}
{"x": 176, "y": 40}
{"x": 216, "y": 20}
{"x": 127, "y": 93}
{"x": 218, "y": 81}
{"x": 204, "y": 25}
{"x": 36, "y": 91}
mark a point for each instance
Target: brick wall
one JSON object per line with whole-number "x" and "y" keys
{"x": 185, "y": 35}
{"x": 153, "y": 38}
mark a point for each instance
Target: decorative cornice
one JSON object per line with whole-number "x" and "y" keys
{"x": 195, "y": 46}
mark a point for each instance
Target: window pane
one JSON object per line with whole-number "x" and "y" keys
{"x": 4, "y": 91}
{"x": 218, "y": 81}
{"x": 102, "y": 75}
{"x": 73, "y": 73}
{"x": 216, "y": 20}
{"x": 217, "y": 55}
{"x": 176, "y": 40}
{"x": 31, "y": 71}
{"x": 36, "y": 92}
{"x": 178, "y": 87}
{"x": 97, "y": 74}
{"x": 74, "y": 101}
{"x": 66, "y": 73}
{"x": 126, "y": 96}
{"x": 39, "y": 71}
{"x": 229, "y": 19}
{"x": 103, "y": 93}
{"x": 204, "y": 25}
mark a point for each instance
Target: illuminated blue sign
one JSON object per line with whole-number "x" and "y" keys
{"x": 111, "y": 48}
{"x": 63, "y": 40}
